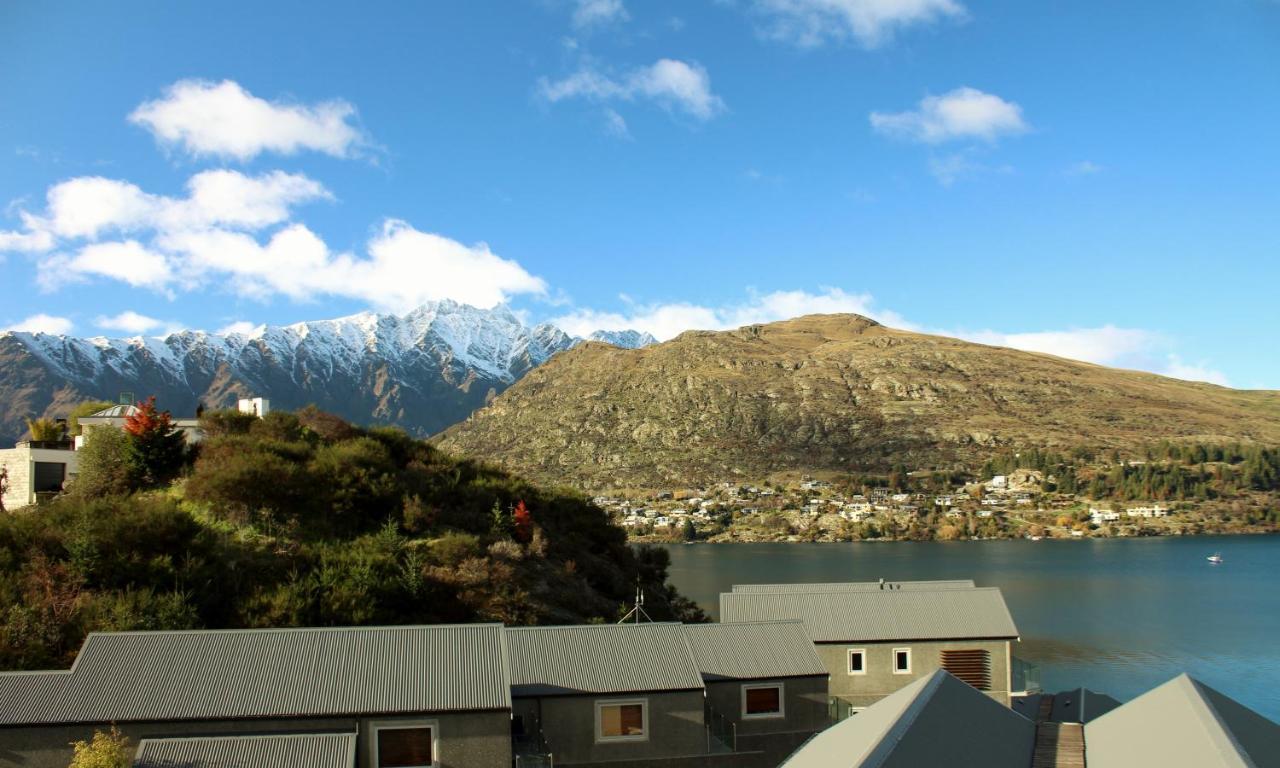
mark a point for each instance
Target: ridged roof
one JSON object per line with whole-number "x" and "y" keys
{"x": 935, "y": 721}
{"x": 132, "y": 676}
{"x": 1182, "y": 723}
{"x": 26, "y": 696}
{"x": 753, "y": 650}
{"x": 603, "y": 658}
{"x": 879, "y": 615}
{"x": 856, "y": 586}
{"x": 312, "y": 750}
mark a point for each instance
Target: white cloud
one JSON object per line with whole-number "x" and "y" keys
{"x": 964, "y": 113}
{"x": 615, "y": 125}
{"x": 88, "y": 207}
{"x": 1193, "y": 372}
{"x": 1083, "y": 168}
{"x": 224, "y": 120}
{"x": 403, "y": 269}
{"x": 809, "y": 23}
{"x": 127, "y": 261}
{"x": 596, "y": 13}
{"x": 666, "y": 321}
{"x": 671, "y": 83}
{"x": 129, "y": 322}
{"x": 242, "y": 327}
{"x": 1105, "y": 345}
{"x": 42, "y": 323}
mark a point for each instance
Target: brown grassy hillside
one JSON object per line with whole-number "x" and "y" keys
{"x": 829, "y": 393}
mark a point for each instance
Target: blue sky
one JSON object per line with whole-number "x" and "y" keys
{"x": 1092, "y": 179}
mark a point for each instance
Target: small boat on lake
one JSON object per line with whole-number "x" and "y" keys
{"x": 1215, "y": 558}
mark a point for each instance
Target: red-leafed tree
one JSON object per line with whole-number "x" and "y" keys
{"x": 156, "y": 449}
{"x": 522, "y": 522}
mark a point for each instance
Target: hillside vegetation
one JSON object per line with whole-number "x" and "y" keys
{"x": 831, "y": 394}
{"x": 304, "y": 520}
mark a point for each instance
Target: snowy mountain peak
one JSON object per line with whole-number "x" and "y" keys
{"x": 440, "y": 353}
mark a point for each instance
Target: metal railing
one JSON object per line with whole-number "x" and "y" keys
{"x": 1026, "y": 677}
{"x": 722, "y": 733}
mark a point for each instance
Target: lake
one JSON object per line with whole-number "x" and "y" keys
{"x": 1118, "y": 616}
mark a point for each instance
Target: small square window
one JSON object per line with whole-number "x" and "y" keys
{"x": 857, "y": 661}
{"x": 901, "y": 661}
{"x": 760, "y": 701}
{"x": 410, "y": 747}
{"x": 621, "y": 721}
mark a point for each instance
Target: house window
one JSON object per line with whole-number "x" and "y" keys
{"x": 49, "y": 476}
{"x": 901, "y": 661}
{"x": 412, "y": 745}
{"x": 857, "y": 661}
{"x": 761, "y": 701}
{"x": 618, "y": 720}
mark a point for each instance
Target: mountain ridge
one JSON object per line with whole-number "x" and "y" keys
{"x": 423, "y": 370}
{"x": 838, "y": 393}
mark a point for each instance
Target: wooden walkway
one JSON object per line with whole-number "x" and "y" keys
{"x": 1058, "y": 745}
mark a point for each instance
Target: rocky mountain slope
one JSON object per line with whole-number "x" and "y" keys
{"x": 829, "y": 393}
{"x": 423, "y": 371}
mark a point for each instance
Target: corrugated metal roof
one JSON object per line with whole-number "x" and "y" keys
{"x": 944, "y": 614}
{"x": 605, "y": 658}
{"x": 24, "y": 696}
{"x": 1182, "y": 723}
{"x": 114, "y": 412}
{"x": 855, "y": 586}
{"x": 131, "y": 676}
{"x": 753, "y": 650}
{"x": 311, "y": 750}
{"x": 937, "y": 720}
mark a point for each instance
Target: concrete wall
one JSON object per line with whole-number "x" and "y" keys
{"x": 926, "y": 657}
{"x": 466, "y": 740}
{"x": 20, "y": 464}
{"x": 804, "y": 708}
{"x": 568, "y": 723}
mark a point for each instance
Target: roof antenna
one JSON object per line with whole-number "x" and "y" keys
{"x": 882, "y": 583}
{"x": 638, "y": 610}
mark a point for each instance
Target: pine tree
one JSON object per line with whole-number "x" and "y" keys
{"x": 500, "y": 525}
{"x": 156, "y": 449}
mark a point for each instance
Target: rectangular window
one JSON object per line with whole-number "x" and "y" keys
{"x": 857, "y": 661}
{"x": 901, "y": 661}
{"x": 49, "y": 476}
{"x": 410, "y": 746}
{"x": 760, "y": 701}
{"x": 622, "y": 720}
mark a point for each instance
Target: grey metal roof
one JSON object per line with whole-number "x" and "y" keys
{"x": 1182, "y": 723}
{"x": 25, "y": 695}
{"x": 114, "y": 412}
{"x": 603, "y": 658}
{"x": 943, "y": 614}
{"x": 132, "y": 676}
{"x": 936, "y": 720}
{"x": 753, "y": 650}
{"x": 856, "y": 586}
{"x": 310, "y": 750}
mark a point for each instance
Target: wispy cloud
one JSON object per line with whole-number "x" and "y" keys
{"x": 588, "y": 14}
{"x": 207, "y": 119}
{"x": 1083, "y": 168}
{"x": 962, "y": 114}
{"x": 869, "y": 23}
{"x": 677, "y": 85}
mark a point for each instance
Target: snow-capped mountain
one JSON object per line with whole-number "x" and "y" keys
{"x": 423, "y": 371}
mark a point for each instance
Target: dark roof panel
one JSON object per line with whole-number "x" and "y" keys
{"x": 312, "y": 750}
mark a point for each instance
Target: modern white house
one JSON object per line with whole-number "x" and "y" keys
{"x": 116, "y": 416}
{"x": 1152, "y": 511}
{"x": 33, "y": 468}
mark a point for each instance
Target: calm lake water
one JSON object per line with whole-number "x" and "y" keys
{"x": 1115, "y": 615}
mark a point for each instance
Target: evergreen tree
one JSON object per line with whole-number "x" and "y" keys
{"x": 501, "y": 524}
